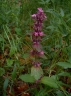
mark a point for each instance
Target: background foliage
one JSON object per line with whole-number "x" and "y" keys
{"x": 15, "y": 45}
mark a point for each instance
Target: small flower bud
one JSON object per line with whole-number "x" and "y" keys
{"x": 40, "y": 9}
{"x": 35, "y": 33}
{"x": 41, "y": 53}
{"x": 41, "y": 34}
{"x": 34, "y": 16}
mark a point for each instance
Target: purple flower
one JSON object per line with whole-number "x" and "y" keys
{"x": 35, "y": 33}
{"x": 37, "y": 53}
{"x": 38, "y": 28}
{"x": 34, "y": 53}
{"x": 36, "y": 64}
{"x": 34, "y": 16}
{"x": 40, "y": 9}
{"x": 40, "y": 16}
{"x": 41, "y": 53}
{"x": 41, "y": 34}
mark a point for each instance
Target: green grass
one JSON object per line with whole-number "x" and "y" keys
{"x": 15, "y": 44}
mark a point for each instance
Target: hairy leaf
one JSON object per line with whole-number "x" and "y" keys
{"x": 65, "y": 65}
{"x": 27, "y": 78}
{"x": 49, "y": 81}
{"x": 37, "y": 72}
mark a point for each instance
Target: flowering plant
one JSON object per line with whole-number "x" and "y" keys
{"x": 37, "y": 51}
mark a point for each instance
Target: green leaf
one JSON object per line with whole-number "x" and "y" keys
{"x": 49, "y": 81}
{"x": 59, "y": 93}
{"x": 5, "y": 86}
{"x": 14, "y": 72}
{"x": 27, "y": 78}
{"x": 9, "y": 62}
{"x": 47, "y": 1}
{"x": 62, "y": 12}
{"x": 37, "y": 72}
{"x": 5, "y": 83}
{"x": 64, "y": 74}
{"x": 2, "y": 71}
{"x": 25, "y": 55}
{"x": 12, "y": 50}
{"x": 44, "y": 57}
{"x": 55, "y": 77}
{"x": 69, "y": 60}
{"x": 18, "y": 30}
{"x": 65, "y": 65}
{"x": 1, "y": 38}
{"x": 44, "y": 2}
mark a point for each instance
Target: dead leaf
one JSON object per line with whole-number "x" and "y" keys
{"x": 25, "y": 94}
{"x": 20, "y": 88}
